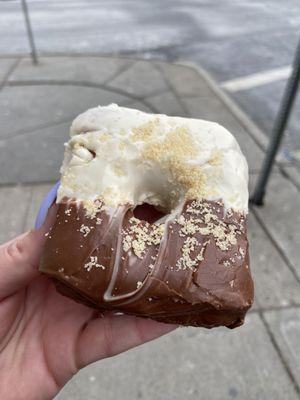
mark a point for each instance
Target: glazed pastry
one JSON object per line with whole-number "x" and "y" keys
{"x": 151, "y": 219}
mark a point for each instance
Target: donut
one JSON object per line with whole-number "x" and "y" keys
{"x": 151, "y": 220}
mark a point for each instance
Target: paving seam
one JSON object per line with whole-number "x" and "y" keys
{"x": 288, "y": 177}
{"x": 124, "y": 55}
{"x": 133, "y": 99}
{"x": 172, "y": 88}
{"x": 280, "y": 354}
{"x": 233, "y": 108}
{"x": 274, "y": 308}
{"x": 246, "y": 123}
{"x": 45, "y": 82}
{"x": 258, "y": 137}
{"x": 57, "y": 82}
{"x": 21, "y": 133}
{"x": 120, "y": 70}
{"x": 146, "y": 98}
{"x": 9, "y": 72}
{"x": 251, "y": 128}
{"x": 284, "y": 257}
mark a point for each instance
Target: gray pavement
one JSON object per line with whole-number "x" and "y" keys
{"x": 257, "y": 361}
{"x": 191, "y": 364}
{"x": 229, "y": 38}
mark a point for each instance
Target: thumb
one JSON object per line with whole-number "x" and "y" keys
{"x": 19, "y": 258}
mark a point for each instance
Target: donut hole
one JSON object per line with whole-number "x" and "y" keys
{"x": 82, "y": 153}
{"x": 87, "y": 150}
{"x": 147, "y": 212}
{"x": 92, "y": 152}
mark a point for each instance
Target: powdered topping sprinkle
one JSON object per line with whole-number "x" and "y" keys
{"x": 92, "y": 207}
{"x": 140, "y": 235}
{"x": 208, "y": 223}
{"x": 189, "y": 247}
{"x": 93, "y": 263}
{"x": 85, "y": 230}
{"x": 201, "y": 217}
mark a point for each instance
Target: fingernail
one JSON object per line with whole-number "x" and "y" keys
{"x": 46, "y": 204}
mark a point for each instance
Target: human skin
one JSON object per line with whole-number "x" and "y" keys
{"x": 45, "y": 338}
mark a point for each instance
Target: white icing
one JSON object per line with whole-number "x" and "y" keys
{"x": 116, "y": 169}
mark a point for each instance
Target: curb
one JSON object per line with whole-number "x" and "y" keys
{"x": 255, "y": 132}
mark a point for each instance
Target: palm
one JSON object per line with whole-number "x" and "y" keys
{"x": 43, "y": 329}
{"x": 47, "y": 337}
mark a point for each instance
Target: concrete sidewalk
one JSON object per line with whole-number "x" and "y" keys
{"x": 257, "y": 361}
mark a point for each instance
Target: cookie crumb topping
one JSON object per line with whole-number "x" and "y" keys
{"x": 92, "y": 207}
{"x": 85, "y": 230}
{"x": 140, "y": 235}
{"x": 93, "y": 263}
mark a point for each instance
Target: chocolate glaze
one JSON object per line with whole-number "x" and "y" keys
{"x": 88, "y": 261}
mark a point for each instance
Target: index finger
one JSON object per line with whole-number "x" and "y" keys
{"x": 20, "y": 257}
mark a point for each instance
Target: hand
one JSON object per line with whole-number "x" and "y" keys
{"x": 45, "y": 338}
